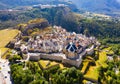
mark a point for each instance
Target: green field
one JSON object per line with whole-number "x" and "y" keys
{"x": 6, "y": 36}
{"x": 93, "y": 70}
{"x": 47, "y": 64}
{"x": 3, "y": 51}
{"x": 36, "y": 64}
{"x": 85, "y": 64}
{"x": 102, "y": 59}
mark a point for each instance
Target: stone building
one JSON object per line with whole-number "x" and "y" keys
{"x": 71, "y": 51}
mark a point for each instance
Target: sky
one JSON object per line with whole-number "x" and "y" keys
{"x": 118, "y": 1}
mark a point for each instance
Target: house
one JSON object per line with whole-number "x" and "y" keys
{"x": 59, "y": 45}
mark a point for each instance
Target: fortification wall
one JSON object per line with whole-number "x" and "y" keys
{"x": 51, "y": 57}
{"x": 90, "y": 51}
{"x": 56, "y": 58}
{"x": 34, "y": 58}
{"x": 72, "y": 62}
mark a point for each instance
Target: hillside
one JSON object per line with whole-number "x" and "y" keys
{"x": 67, "y": 19}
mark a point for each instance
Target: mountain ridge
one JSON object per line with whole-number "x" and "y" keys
{"x": 14, "y": 3}
{"x": 98, "y": 5}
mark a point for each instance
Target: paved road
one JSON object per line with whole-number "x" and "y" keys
{"x": 4, "y": 75}
{"x": 2, "y": 81}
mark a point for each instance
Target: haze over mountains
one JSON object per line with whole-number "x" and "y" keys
{"x": 98, "y": 5}
{"x": 13, "y": 3}
{"x": 104, "y": 6}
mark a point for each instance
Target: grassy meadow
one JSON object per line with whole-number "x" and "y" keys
{"x": 6, "y": 36}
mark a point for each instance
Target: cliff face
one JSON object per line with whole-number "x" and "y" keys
{"x": 38, "y": 23}
{"x": 30, "y": 26}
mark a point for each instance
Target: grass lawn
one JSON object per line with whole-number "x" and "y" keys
{"x": 85, "y": 64}
{"x": 3, "y": 51}
{"x": 46, "y": 63}
{"x": 85, "y": 81}
{"x": 36, "y": 64}
{"x": 6, "y": 36}
{"x": 103, "y": 56}
{"x": 51, "y": 63}
{"x": 108, "y": 50}
{"x": 62, "y": 66}
{"x": 92, "y": 72}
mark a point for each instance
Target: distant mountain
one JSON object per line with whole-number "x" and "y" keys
{"x": 13, "y": 3}
{"x": 4, "y": 4}
{"x": 98, "y": 5}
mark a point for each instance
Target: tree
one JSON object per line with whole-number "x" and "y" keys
{"x": 86, "y": 32}
{"x": 14, "y": 58}
{"x": 46, "y": 75}
{"x": 80, "y": 77}
{"x": 70, "y": 76}
{"x": 101, "y": 72}
{"x": 72, "y": 72}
